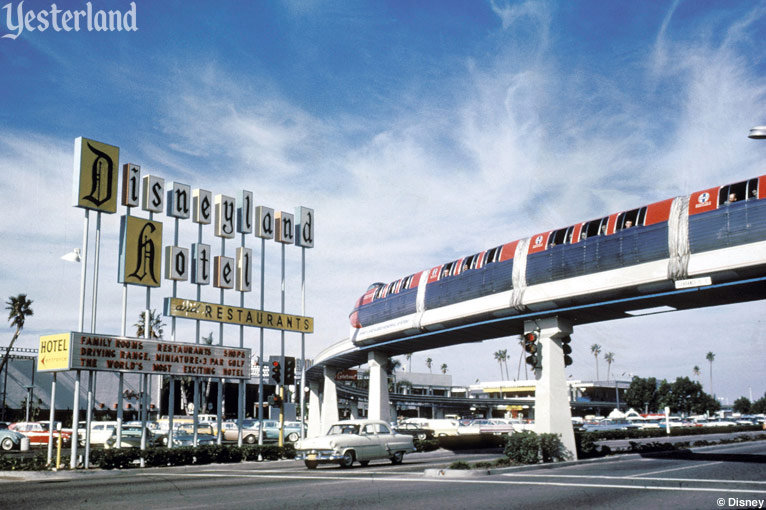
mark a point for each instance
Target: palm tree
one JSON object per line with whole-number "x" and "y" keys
{"x": 696, "y": 372}
{"x": 155, "y": 323}
{"x": 408, "y": 357}
{"x": 505, "y": 362}
{"x": 710, "y": 357}
{"x": 444, "y": 368}
{"x": 596, "y": 350}
{"x": 19, "y": 311}
{"x": 428, "y": 364}
{"x": 609, "y": 358}
{"x": 500, "y": 357}
{"x": 521, "y": 358}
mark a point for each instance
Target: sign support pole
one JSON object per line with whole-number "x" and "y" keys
{"x": 282, "y": 354}
{"x": 303, "y": 343}
{"x": 260, "y": 358}
{"x": 80, "y": 326}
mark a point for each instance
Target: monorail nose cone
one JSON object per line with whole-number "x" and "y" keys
{"x": 758, "y": 133}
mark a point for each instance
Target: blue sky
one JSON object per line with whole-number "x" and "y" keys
{"x": 418, "y": 131}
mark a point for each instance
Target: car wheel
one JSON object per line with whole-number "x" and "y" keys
{"x": 292, "y": 437}
{"x": 422, "y": 436}
{"x": 7, "y": 444}
{"x": 348, "y": 459}
{"x": 397, "y": 458}
{"x": 311, "y": 464}
{"x": 364, "y": 463}
{"x": 250, "y": 439}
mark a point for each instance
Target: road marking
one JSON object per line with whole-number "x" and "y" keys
{"x": 456, "y": 480}
{"x": 636, "y": 477}
{"x": 677, "y": 469}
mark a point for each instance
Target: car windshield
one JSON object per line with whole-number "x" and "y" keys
{"x": 343, "y": 429}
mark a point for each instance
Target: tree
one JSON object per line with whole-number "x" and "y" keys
{"x": 155, "y": 323}
{"x": 19, "y": 309}
{"x": 742, "y": 405}
{"x": 500, "y": 357}
{"x": 596, "y": 350}
{"x": 642, "y": 394}
{"x": 696, "y": 372}
{"x": 759, "y": 406}
{"x": 408, "y": 357}
{"x": 609, "y": 358}
{"x": 521, "y": 359}
{"x": 710, "y": 357}
{"x": 391, "y": 365}
{"x": 444, "y": 368}
{"x": 429, "y": 361}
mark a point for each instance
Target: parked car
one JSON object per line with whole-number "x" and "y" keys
{"x": 38, "y": 432}
{"x": 486, "y": 426}
{"x": 184, "y": 429}
{"x": 131, "y": 437}
{"x": 10, "y": 439}
{"x": 441, "y": 427}
{"x": 354, "y": 440}
{"x": 99, "y": 432}
{"x": 184, "y": 436}
{"x": 418, "y": 432}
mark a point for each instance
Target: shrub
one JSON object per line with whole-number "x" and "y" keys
{"x": 426, "y": 445}
{"x": 523, "y": 447}
{"x": 459, "y": 465}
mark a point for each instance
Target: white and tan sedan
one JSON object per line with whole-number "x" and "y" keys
{"x": 354, "y": 440}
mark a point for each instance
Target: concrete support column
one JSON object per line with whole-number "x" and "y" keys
{"x": 378, "y": 397}
{"x": 315, "y": 411}
{"x": 552, "y": 408}
{"x": 329, "y": 399}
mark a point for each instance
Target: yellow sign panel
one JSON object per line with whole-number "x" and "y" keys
{"x": 54, "y": 352}
{"x": 189, "y": 309}
{"x": 140, "y": 251}
{"x": 95, "y": 175}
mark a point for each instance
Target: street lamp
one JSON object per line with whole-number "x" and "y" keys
{"x": 758, "y": 133}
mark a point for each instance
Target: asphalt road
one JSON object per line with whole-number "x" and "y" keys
{"x": 701, "y": 478}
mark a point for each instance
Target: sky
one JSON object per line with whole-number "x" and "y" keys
{"x": 419, "y": 132}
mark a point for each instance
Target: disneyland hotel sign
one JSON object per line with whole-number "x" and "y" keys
{"x": 19, "y": 19}
{"x": 141, "y": 250}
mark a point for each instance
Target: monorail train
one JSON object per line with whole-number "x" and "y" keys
{"x": 715, "y": 235}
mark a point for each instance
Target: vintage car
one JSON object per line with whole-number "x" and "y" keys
{"x": 38, "y": 432}
{"x": 10, "y": 439}
{"x": 354, "y": 440}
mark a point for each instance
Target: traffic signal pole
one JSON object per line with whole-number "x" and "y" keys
{"x": 553, "y": 413}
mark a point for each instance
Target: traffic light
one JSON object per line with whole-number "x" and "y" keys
{"x": 275, "y": 401}
{"x": 289, "y": 370}
{"x": 567, "y": 350}
{"x": 275, "y": 372}
{"x": 532, "y": 346}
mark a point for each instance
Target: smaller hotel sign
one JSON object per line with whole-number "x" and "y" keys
{"x": 121, "y": 354}
{"x": 53, "y": 352}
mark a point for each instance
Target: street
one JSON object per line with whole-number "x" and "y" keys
{"x": 732, "y": 474}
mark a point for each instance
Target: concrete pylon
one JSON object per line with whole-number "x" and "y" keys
{"x": 552, "y": 407}
{"x": 315, "y": 411}
{"x": 379, "y": 408}
{"x": 329, "y": 399}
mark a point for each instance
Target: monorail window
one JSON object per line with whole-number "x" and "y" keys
{"x": 634, "y": 218}
{"x": 380, "y": 292}
{"x": 594, "y": 228}
{"x": 390, "y": 289}
{"x": 492, "y": 255}
{"x": 744, "y": 190}
{"x": 558, "y": 237}
{"x": 446, "y": 270}
{"x": 406, "y": 283}
{"x": 469, "y": 263}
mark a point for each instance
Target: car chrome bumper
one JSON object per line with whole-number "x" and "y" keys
{"x": 318, "y": 455}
